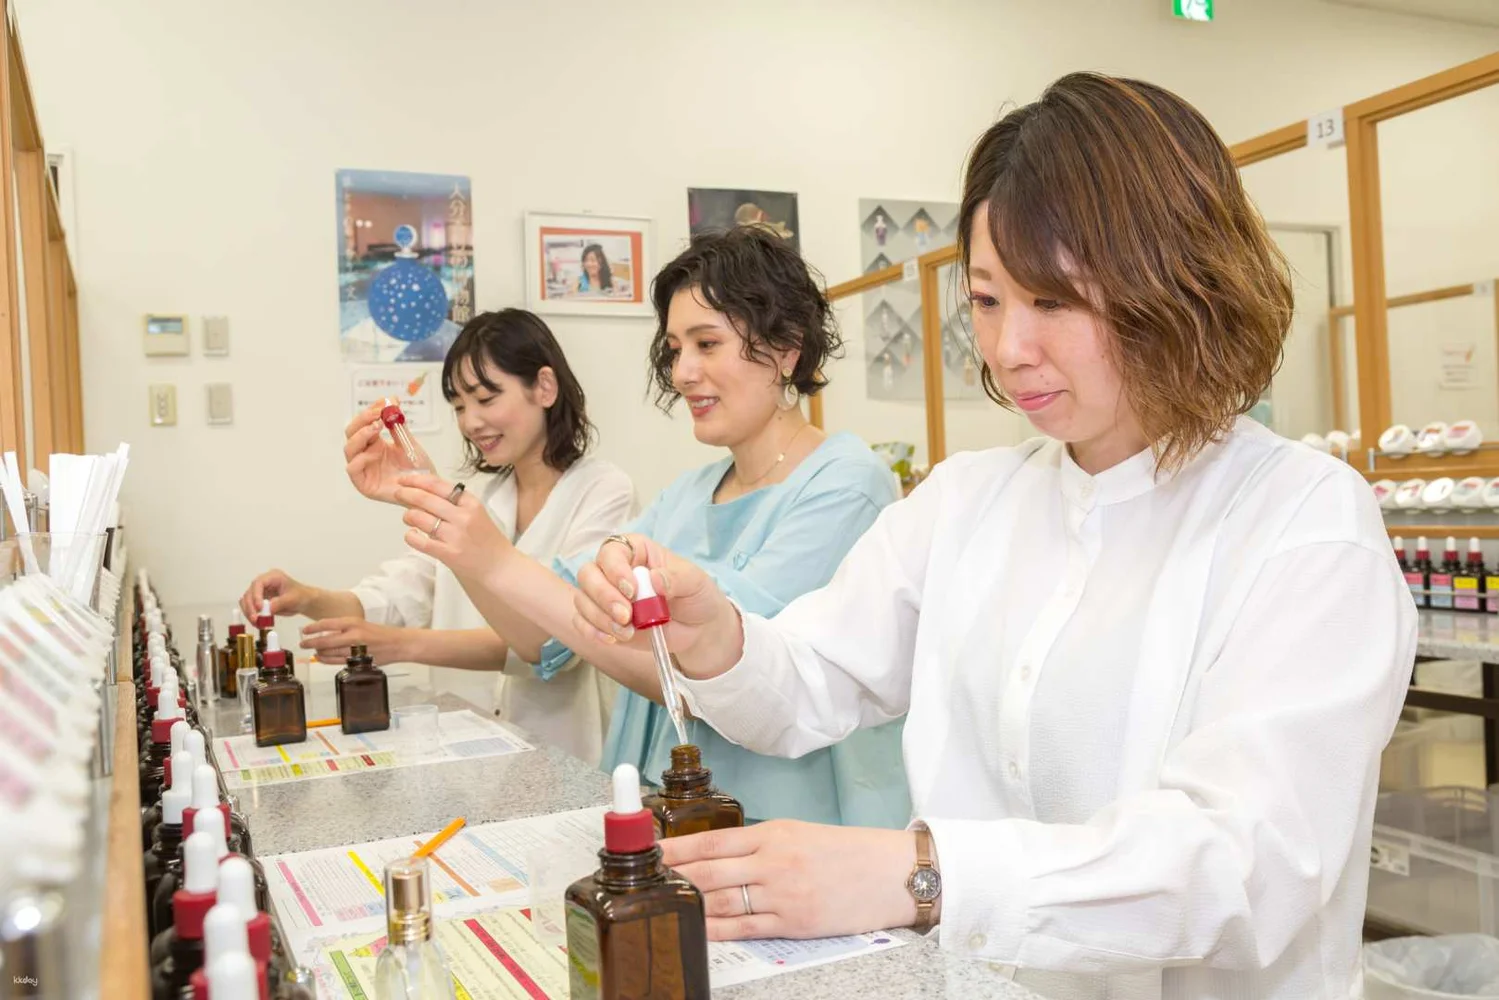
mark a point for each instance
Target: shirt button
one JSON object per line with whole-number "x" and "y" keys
{"x": 1086, "y": 491}
{"x": 1025, "y": 672}
{"x": 1014, "y": 770}
{"x": 976, "y": 942}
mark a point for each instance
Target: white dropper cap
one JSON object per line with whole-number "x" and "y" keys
{"x": 643, "y": 588}
{"x": 200, "y": 864}
{"x": 1474, "y": 547}
{"x": 265, "y": 608}
{"x": 232, "y": 977}
{"x": 182, "y": 774}
{"x": 178, "y": 739}
{"x": 272, "y": 642}
{"x": 166, "y": 703}
{"x": 236, "y": 616}
{"x": 177, "y": 798}
{"x": 1421, "y": 542}
{"x": 158, "y": 671}
{"x": 237, "y": 887}
{"x": 626, "y": 790}
{"x": 205, "y": 786}
{"x": 193, "y": 744}
{"x": 210, "y": 822}
{"x": 1398, "y": 542}
{"x": 224, "y": 929}
{"x": 1451, "y": 543}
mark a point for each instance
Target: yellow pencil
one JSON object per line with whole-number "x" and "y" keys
{"x": 442, "y": 838}
{"x": 320, "y": 723}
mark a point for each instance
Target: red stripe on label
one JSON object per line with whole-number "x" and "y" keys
{"x": 517, "y": 973}
{"x": 367, "y": 759}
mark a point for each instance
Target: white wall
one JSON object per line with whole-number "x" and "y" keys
{"x": 206, "y": 137}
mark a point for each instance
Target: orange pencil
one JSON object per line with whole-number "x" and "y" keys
{"x": 442, "y": 838}
{"x": 320, "y": 723}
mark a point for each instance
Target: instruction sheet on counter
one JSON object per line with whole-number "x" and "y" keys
{"x": 329, "y": 752}
{"x": 494, "y": 955}
{"x": 502, "y": 942}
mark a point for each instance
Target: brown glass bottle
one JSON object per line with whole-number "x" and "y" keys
{"x": 688, "y": 802}
{"x": 227, "y": 658}
{"x": 277, "y": 703}
{"x": 363, "y": 694}
{"x": 635, "y": 929}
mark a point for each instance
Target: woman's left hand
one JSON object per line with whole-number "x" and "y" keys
{"x": 462, "y": 536}
{"x": 331, "y": 639}
{"x": 805, "y": 880}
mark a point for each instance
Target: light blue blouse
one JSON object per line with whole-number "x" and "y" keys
{"x": 765, "y": 549}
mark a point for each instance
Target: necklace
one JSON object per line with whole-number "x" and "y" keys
{"x": 774, "y": 465}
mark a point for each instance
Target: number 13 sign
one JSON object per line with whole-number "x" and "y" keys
{"x": 1326, "y": 129}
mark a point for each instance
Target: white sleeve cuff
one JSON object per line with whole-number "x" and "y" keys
{"x": 377, "y": 609}
{"x": 744, "y": 704}
{"x": 984, "y": 900}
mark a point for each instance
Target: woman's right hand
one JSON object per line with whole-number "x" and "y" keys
{"x": 287, "y": 596}
{"x": 372, "y": 460}
{"x": 704, "y": 633}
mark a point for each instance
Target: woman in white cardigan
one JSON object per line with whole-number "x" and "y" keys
{"x": 526, "y": 435}
{"x": 1149, "y": 659}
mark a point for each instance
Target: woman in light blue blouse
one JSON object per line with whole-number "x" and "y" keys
{"x": 744, "y": 331}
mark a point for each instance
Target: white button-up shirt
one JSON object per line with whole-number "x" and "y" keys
{"x": 1145, "y": 717}
{"x": 591, "y": 500}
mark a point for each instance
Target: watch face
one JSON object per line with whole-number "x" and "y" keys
{"x": 925, "y": 884}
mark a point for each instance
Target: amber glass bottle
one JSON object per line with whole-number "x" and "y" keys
{"x": 227, "y": 657}
{"x": 363, "y": 694}
{"x": 635, "y": 928}
{"x": 688, "y": 802}
{"x": 279, "y": 709}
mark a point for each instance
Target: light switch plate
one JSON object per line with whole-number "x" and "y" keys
{"x": 165, "y": 335}
{"x": 220, "y": 403}
{"x": 215, "y": 336}
{"x": 162, "y": 400}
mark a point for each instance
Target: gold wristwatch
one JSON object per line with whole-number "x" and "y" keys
{"x": 925, "y": 881}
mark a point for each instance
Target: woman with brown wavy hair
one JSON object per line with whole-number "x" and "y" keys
{"x": 1149, "y": 659}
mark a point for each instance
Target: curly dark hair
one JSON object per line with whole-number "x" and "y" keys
{"x": 519, "y": 343}
{"x": 770, "y": 294}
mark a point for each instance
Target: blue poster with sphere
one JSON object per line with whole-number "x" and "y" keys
{"x": 405, "y": 264}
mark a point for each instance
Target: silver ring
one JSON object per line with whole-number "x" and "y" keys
{"x": 749, "y": 911}
{"x": 621, "y": 539}
{"x": 436, "y": 523}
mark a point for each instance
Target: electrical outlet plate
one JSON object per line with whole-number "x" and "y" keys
{"x": 215, "y": 336}
{"x": 162, "y": 402}
{"x": 220, "y": 403}
{"x": 165, "y": 335}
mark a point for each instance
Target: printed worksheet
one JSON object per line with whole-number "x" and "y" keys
{"x": 495, "y": 955}
{"x": 338, "y": 891}
{"x": 328, "y": 751}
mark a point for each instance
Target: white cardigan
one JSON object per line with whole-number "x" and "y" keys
{"x": 591, "y": 501}
{"x": 1145, "y": 717}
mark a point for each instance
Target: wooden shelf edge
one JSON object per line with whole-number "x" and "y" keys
{"x": 123, "y": 959}
{"x": 1458, "y": 531}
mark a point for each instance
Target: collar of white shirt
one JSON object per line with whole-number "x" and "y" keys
{"x": 1130, "y": 478}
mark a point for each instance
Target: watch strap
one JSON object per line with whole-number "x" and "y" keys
{"x": 925, "y": 909}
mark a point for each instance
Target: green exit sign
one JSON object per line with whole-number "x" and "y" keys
{"x": 1193, "y": 10}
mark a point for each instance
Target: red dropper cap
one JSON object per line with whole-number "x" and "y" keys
{"x": 392, "y": 415}
{"x": 649, "y": 609}
{"x": 628, "y": 828}
{"x": 199, "y": 983}
{"x": 265, "y": 619}
{"x": 275, "y": 656}
{"x": 237, "y": 624}
{"x": 1423, "y": 550}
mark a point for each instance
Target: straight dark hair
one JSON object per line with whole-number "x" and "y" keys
{"x": 519, "y": 344}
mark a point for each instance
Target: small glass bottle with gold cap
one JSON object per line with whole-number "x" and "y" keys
{"x": 412, "y": 966}
{"x": 279, "y": 709}
{"x": 688, "y": 802}
{"x": 363, "y": 694}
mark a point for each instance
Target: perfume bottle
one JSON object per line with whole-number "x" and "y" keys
{"x": 190, "y": 904}
{"x": 1468, "y": 583}
{"x": 280, "y": 712}
{"x": 166, "y": 839}
{"x": 407, "y": 300}
{"x": 634, "y": 927}
{"x": 1439, "y": 581}
{"x": 1419, "y": 572}
{"x": 228, "y": 660}
{"x": 245, "y": 659}
{"x": 264, "y": 622}
{"x": 412, "y": 966}
{"x": 224, "y": 935}
{"x": 363, "y": 694}
{"x": 191, "y": 741}
{"x": 159, "y": 916}
{"x": 208, "y": 673}
{"x": 688, "y": 802}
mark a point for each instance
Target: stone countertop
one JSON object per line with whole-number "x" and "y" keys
{"x": 373, "y": 805}
{"x": 1458, "y": 635}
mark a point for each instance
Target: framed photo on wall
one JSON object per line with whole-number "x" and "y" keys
{"x": 590, "y": 265}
